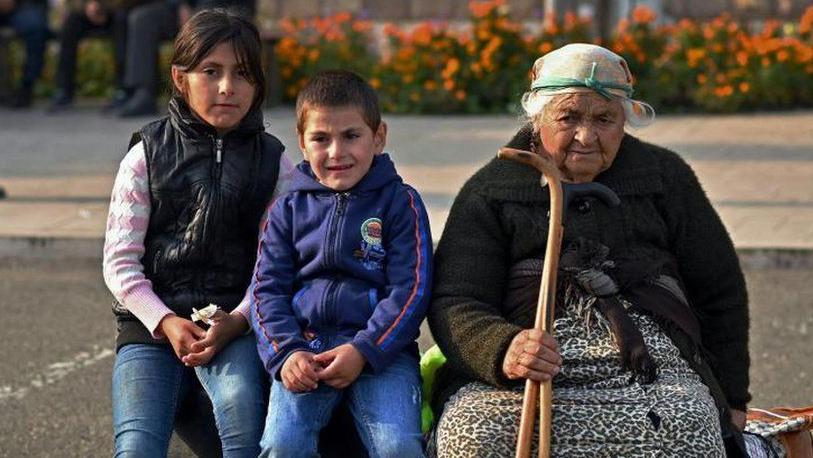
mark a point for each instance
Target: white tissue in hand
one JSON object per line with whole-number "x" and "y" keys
{"x": 205, "y": 314}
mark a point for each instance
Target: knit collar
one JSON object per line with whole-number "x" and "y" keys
{"x": 191, "y": 126}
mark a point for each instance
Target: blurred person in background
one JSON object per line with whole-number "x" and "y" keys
{"x": 148, "y": 25}
{"x": 28, "y": 18}
{"x": 96, "y": 17}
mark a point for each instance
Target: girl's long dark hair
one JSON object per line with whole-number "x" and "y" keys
{"x": 207, "y": 29}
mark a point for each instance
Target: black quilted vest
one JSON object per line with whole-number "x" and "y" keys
{"x": 207, "y": 196}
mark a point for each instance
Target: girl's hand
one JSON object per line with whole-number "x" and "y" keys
{"x": 226, "y": 327}
{"x": 298, "y": 373}
{"x": 342, "y": 365}
{"x": 181, "y": 333}
{"x": 533, "y": 354}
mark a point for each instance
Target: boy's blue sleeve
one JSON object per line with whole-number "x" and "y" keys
{"x": 277, "y": 331}
{"x": 397, "y": 317}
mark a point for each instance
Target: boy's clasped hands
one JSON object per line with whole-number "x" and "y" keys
{"x": 338, "y": 368}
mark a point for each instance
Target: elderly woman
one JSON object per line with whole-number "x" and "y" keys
{"x": 650, "y": 355}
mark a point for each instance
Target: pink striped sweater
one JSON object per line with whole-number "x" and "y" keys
{"x": 127, "y": 224}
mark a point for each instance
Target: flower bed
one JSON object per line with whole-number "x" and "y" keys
{"x": 715, "y": 66}
{"x": 482, "y": 66}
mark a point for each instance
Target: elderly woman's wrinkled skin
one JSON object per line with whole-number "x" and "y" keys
{"x": 582, "y": 133}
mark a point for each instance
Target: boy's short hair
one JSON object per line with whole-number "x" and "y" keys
{"x": 338, "y": 88}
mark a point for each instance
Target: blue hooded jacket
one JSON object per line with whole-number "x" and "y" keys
{"x": 338, "y": 267}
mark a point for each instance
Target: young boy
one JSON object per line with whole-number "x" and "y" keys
{"x": 342, "y": 281}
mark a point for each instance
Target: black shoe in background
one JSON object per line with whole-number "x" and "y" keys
{"x": 141, "y": 103}
{"x": 61, "y": 101}
{"x": 120, "y": 97}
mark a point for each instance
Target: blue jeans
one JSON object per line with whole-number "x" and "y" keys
{"x": 385, "y": 407}
{"x": 31, "y": 24}
{"x": 150, "y": 382}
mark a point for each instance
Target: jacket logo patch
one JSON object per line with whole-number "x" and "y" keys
{"x": 371, "y": 253}
{"x": 371, "y": 231}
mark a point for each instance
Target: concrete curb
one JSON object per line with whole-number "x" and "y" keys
{"x": 35, "y": 247}
{"x": 51, "y": 247}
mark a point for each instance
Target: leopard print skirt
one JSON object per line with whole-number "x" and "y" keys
{"x": 598, "y": 411}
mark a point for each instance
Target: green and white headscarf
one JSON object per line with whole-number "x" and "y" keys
{"x": 583, "y": 67}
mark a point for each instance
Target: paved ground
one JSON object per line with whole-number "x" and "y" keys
{"x": 757, "y": 169}
{"x": 57, "y": 334}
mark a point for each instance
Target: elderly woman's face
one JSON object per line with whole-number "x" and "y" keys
{"x": 582, "y": 132}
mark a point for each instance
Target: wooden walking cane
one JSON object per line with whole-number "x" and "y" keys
{"x": 544, "y": 305}
{"x": 560, "y": 195}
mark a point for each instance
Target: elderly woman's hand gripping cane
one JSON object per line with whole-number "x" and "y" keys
{"x": 560, "y": 195}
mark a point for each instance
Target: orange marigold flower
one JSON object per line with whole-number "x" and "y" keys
{"x": 391, "y": 30}
{"x": 643, "y": 15}
{"x": 782, "y": 56}
{"x": 288, "y": 26}
{"x": 342, "y": 16}
{"x": 430, "y": 85}
{"x": 481, "y": 9}
{"x": 551, "y": 26}
{"x": 333, "y": 35}
{"x": 545, "y": 47}
{"x": 448, "y": 85}
{"x": 375, "y": 83}
{"x": 694, "y": 55}
{"x": 408, "y": 78}
{"x": 701, "y": 78}
{"x": 766, "y": 62}
{"x": 742, "y": 58}
{"x": 362, "y": 26}
{"x": 723, "y": 91}
{"x": 806, "y": 21}
{"x": 452, "y": 66}
{"x": 744, "y": 87}
{"x": 422, "y": 35}
{"x": 685, "y": 24}
{"x": 313, "y": 54}
{"x": 460, "y": 94}
{"x": 570, "y": 20}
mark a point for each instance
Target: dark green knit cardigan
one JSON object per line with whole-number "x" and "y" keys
{"x": 500, "y": 218}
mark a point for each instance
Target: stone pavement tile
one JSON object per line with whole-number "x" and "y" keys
{"x": 780, "y": 181}
{"x": 26, "y": 219}
{"x": 780, "y": 129}
{"x": 443, "y": 179}
{"x": 62, "y": 188}
{"x": 769, "y": 227}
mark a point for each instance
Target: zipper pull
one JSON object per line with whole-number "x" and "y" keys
{"x": 342, "y": 196}
{"x": 219, "y": 150}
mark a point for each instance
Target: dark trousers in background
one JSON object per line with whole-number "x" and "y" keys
{"x": 76, "y": 27}
{"x": 147, "y": 27}
{"x": 31, "y": 25}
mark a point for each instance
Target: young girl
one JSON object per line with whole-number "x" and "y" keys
{"x": 182, "y": 233}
